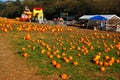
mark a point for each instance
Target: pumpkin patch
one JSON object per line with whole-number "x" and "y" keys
{"x": 70, "y": 53}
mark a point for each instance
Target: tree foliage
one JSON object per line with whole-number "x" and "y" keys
{"x": 53, "y": 8}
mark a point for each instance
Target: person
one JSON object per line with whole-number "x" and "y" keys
{"x": 61, "y": 21}
{"x": 36, "y": 17}
{"x": 73, "y": 22}
{"x": 101, "y": 25}
{"x": 27, "y": 9}
{"x": 94, "y": 27}
{"x": 45, "y": 21}
{"x": 55, "y": 21}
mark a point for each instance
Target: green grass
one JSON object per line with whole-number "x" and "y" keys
{"x": 86, "y": 69}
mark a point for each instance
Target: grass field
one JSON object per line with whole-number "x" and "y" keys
{"x": 79, "y": 54}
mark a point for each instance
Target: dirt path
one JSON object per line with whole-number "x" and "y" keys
{"x": 12, "y": 67}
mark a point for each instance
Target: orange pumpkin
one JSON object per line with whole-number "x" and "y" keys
{"x": 58, "y": 56}
{"x": 97, "y": 62}
{"x": 58, "y": 65}
{"x": 53, "y": 62}
{"x": 25, "y": 55}
{"x": 70, "y": 57}
{"x": 50, "y": 56}
{"x": 118, "y": 53}
{"x": 78, "y": 54}
{"x": 48, "y": 53}
{"x": 23, "y": 48}
{"x": 102, "y": 69}
{"x": 28, "y": 46}
{"x": 64, "y": 76}
{"x": 110, "y": 63}
{"x": 91, "y": 47}
{"x": 100, "y": 63}
{"x": 105, "y": 63}
{"x": 67, "y": 60}
{"x": 97, "y": 57}
{"x": 107, "y": 57}
{"x": 75, "y": 63}
{"x": 112, "y": 59}
{"x": 117, "y": 61}
{"x": 27, "y": 37}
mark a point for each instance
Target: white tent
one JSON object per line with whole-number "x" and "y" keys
{"x": 86, "y": 17}
{"x": 109, "y": 17}
{"x": 113, "y": 22}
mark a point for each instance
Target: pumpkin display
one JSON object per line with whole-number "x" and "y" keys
{"x": 65, "y": 47}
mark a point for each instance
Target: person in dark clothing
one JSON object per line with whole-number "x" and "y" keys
{"x": 36, "y": 17}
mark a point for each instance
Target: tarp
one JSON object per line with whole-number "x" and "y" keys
{"x": 98, "y": 17}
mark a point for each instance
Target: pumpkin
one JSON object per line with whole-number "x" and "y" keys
{"x": 67, "y": 60}
{"x": 112, "y": 59}
{"x": 78, "y": 54}
{"x": 110, "y": 63}
{"x": 118, "y": 53}
{"x": 58, "y": 65}
{"x": 42, "y": 51}
{"x": 33, "y": 47}
{"x": 97, "y": 62}
{"x": 107, "y": 57}
{"x": 105, "y": 63}
{"x": 27, "y": 37}
{"x": 100, "y": 63}
{"x": 23, "y": 49}
{"x": 97, "y": 57}
{"x": 64, "y": 76}
{"x": 63, "y": 54}
{"x": 25, "y": 55}
{"x": 75, "y": 63}
{"x": 53, "y": 62}
{"x": 58, "y": 56}
{"x": 70, "y": 57}
{"x": 117, "y": 61}
{"x": 48, "y": 53}
{"x": 78, "y": 48}
{"x": 50, "y": 56}
{"x": 91, "y": 47}
{"x": 102, "y": 69}
{"x": 54, "y": 52}
{"x": 28, "y": 46}
{"x": 64, "y": 58}
{"x": 94, "y": 59}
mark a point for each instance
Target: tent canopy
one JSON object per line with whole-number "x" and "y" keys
{"x": 109, "y": 17}
{"x": 86, "y": 17}
{"x": 98, "y": 17}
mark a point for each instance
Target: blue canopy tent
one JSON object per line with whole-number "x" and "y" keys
{"x": 98, "y": 17}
